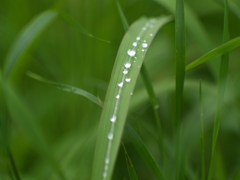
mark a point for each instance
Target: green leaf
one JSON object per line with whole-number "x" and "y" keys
{"x": 25, "y": 119}
{"x": 67, "y": 88}
{"x": 143, "y": 152}
{"x": 124, "y": 75}
{"x": 131, "y": 171}
{"x": 26, "y": 38}
{"x": 222, "y": 82}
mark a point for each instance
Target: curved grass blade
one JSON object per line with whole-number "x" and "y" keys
{"x": 131, "y": 171}
{"x": 24, "y": 118}
{"x": 228, "y": 46}
{"x": 222, "y": 82}
{"x": 143, "y": 152}
{"x": 67, "y": 88}
{"x": 26, "y": 38}
{"x": 74, "y": 23}
{"x": 124, "y": 75}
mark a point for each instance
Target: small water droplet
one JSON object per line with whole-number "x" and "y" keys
{"x": 138, "y": 38}
{"x": 135, "y": 57}
{"x": 143, "y": 50}
{"x": 106, "y": 167}
{"x": 127, "y": 65}
{"x": 128, "y": 79}
{"x": 118, "y": 96}
{"x": 131, "y": 52}
{"x": 107, "y": 160}
{"x": 120, "y": 84}
{"x": 104, "y": 174}
{"x": 110, "y": 136}
{"x": 144, "y": 28}
{"x": 150, "y": 34}
{"x": 151, "y": 26}
{"x": 131, "y": 94}
{"x": 134, "y": 44}
{"x": 144, "y": 45}
{"x": 125, "y": 71}
{"x": 144, "y": 41}
{"x": 113, "y": 118}
{"x": 134, "y": 61}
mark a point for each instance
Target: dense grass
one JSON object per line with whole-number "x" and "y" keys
{"x": 61, "y": 71}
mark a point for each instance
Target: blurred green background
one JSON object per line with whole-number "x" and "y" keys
{"x": 69, "y": 122}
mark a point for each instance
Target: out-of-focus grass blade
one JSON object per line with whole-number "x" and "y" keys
{"x": 74, "y": 23}
{"x": 222, "y": 81}
{"x": 26, "y": 38}
{"x": 124, "y": 75}
{"x": 180, "y": 55}
{"x": 24, "y": 118}
{"x": 143, "y": 152}
{"x": 122, "y": 16}
{"x": 67, "y": 88}
{"x": 202, "y": 132}
{"x": 228, "y": 46}
{"x": 194, "y": 25}
{"x": 131, "y": 171}
{"x": 232, "y": 7}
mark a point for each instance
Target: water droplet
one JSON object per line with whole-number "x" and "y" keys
{"x": 150, "y": 34}
{"x": 106, "y": 167}
{"x": 138, "y": 38}
{"x": 104, "y": 174}
{"x": 144, "y": 45}
{"x": 134, "y": 61}
{"x": 131, "y": 94}
{"x": 110, "y": 136}
{"x": 127, "y": 65}
{"x": 113, "y": 118}
{"x": 125, "y": 71}
{"x": 144, "y": 28}
{"x": 107, "y": 160}
{"x": 131, "y": 52}
{"x": 143, "y": 50}
{"x": 128, "y": 79}
{"x": 135, "y": 57}
{"x": 144, "y": 41}
{"x": 120, "y": 84}
{"x": 118, "y": 96}
{"x": 134, "y": 44}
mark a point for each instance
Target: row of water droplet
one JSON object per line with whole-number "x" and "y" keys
{"x": 132, "y": 52}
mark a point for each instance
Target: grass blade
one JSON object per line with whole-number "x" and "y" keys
{"x": 222, "y": 81}
{"x": 143, "y": 152}
{"x": 67, "y": 88}
{"x": 24, "y": 118}
{"x": 180, "y": 46}
{"x": 75, "y": 24}
{"x": 122, "y": 16}
{"x": 228, "y": 46}
{"x": 202, "y": 132}
{"x": 131, "y": 171}
{"x": 26, "y": 38}
{"x": 124, "y": 75}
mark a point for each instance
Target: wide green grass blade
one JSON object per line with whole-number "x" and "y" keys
{"x": 202, "y": 133}
{"x": 180, "y": 55}
{"x": 228, "y": 46}
{"x": 143, "y": 152}
{"x": 67, "y": 88}
{"x": 131, "y": 171}
{"x": 26, "y": 38}
{"x": 222, "y": 82}
{"x": 124, "y": 75}
{"x": 25, "y": 119}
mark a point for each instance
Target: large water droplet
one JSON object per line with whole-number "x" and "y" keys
{"x": 127, "y": 65}
{"x": 110, "y": 136}
{"x": 134, "y": 44}
{"x": 138, "y": 38}
{"x": 144, "y": 45}
{"x": 131, "y": 52}
{"x": 113, "y": 118}
{"x": 128, "y": 79}
{"x": 118, "y": 96}
{"x": 107, "y": 160}
{"x": 120, "y": 84}
{"x": 125, "y": 71}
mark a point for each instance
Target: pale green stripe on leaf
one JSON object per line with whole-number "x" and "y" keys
{"x": 26, "y": 38}
{"x": 141, "y": 31}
